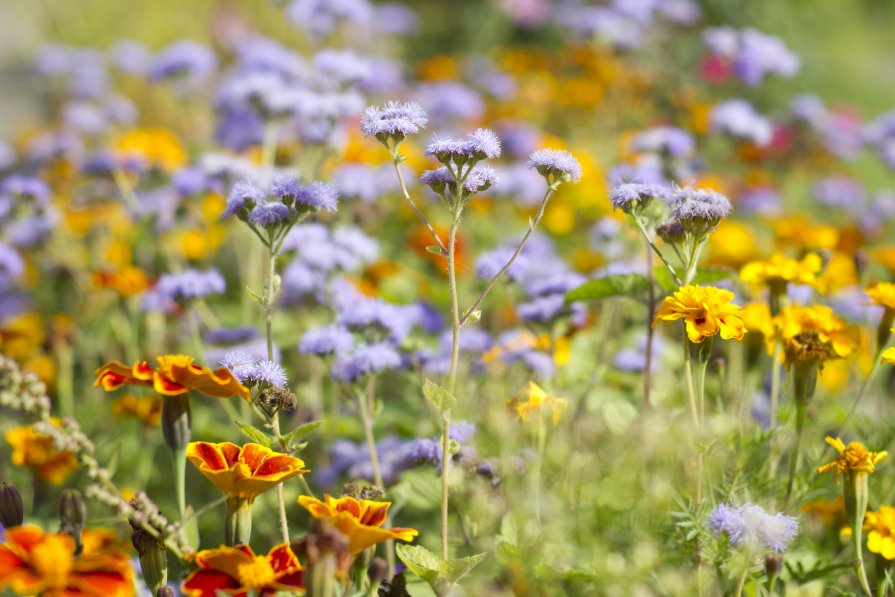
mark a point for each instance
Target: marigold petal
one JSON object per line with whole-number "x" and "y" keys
{"x": 207, "y": 583}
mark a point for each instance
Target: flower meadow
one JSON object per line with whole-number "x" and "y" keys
{"x": 350, "y": 298}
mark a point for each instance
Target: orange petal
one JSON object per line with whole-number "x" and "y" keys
{"x": 206, "y": 455}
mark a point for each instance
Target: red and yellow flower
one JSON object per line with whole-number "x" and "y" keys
{"x": 243, "y": 472}
{"x": 36, "y": 451}
{"x": 34, "y": 562}
{"x": 237, "y": 570}
{"x": 359, "y": 520}
{"x": 706, "y": 311}
{"x": 176, "y": 374}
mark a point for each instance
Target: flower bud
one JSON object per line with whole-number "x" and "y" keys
{"x": 12, "y": 510}
{"x": 72, "y": 515}
{"x": 153, "y": 560}
{"x": 378, "y": 570}
{"x": 773, "y": 563}
{"x": 177, "y": 421}
{"x": 165, "y": 592}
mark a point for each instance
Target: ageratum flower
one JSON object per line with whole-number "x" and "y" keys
{"x": 699, "y": 211}
{"x": 740, "y": 120}
{"x": 634, "y": 197}
{"x": 183, "y": 60}
{"x": 706, "y": 311}
{"x": 666, "y": 140}
{"x": 244, "y": 472}
{"x": 332, "y": 339}
{"x": 175, "y": 375}
{"x": 853, "y": 459}
{"x": 364, "y": 360}
{"x": 317, "y": 195}
{"x": 751, "y": 527}
{"x": 190, "y": 284}
{"x": 237, "y": 571}
{"x": 359, "y": 520}
{"x": 478, "y": 145}
{"x": 34, "y": 562}
{"x": 555, "y": 165}
{"x": 395, "y": 120}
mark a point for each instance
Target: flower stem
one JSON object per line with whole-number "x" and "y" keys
{"x": 652, "y": 245}
{"x": 397, "y": 162}
{"x": 367, "y": 419}
{"x": 862, "y": 392}
{"x": 688, "y": 376}
{"x": 452, "y": 379}
{"x": 775, "y": 385}
{"x": 741, "y": 582}
{"x": 651, "y": 306}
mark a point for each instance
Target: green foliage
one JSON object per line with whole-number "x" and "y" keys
{"x": 440, "y": 574}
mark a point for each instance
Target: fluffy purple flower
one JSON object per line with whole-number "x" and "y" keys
{"x": 699, "y": 210}
{"x": 480, "y": 179}
{"x": 285, "y": 186}
{"x": 341, "y": 66}
{"x": 449, "y": 100}
{"x": 240, "y": 363}
{"x": 478, "y": 145}
{"x": 235, "y": 335}
{"x": 752, "y": 54}
{"x": 332, "y": 339}
{"x": 635, "y": 197}
{"x": 11, "y": 265}
{"x": 269, "y": 372}
{"x": 268, "y": 214}
{"x": 483, "y": 144}
{"x": 840, "y": 191}
{"x": 183, "y": 59}
{"x": 244, "y": 195}
{"x": 191, "y": 284}
{"x": 556, "y": 163}
{"x": 751, "y": 527}
{"x": 321, "y": 17}
{"x": 318, "y": 195}
{"x": 364, "y": 360}
{"x": 438, "y": 180}
{"x": 667, "y": 140}
{"x": 394, "y": 120}
{"x": 26, "y": 187}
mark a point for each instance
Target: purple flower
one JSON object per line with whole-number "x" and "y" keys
{"x": 342, "y": 66}
{"x": 332, "y": 339}
{"x": 556, "y": 163}
{"x": 394, "y": 120}
{"x": 483, "y": 144}
{"x": 285, "y": 186}
{"x": 752, "y": 54}
{"x": 243, "y": 197}
{"x": 448, "y": 100}
{"x": 740, "y": 120}
{"x": 840, "y": 191}
{"x": 183, "y": 59}
{"x": 269, "y": 215}
{"x": 11, "y": 265}
{"x": 364, "y": 360}
{"x": 321, "y": 17}
{"x": 668, "y": 140}
{"x": 191, "y": 284}
{"x": 240, "y": 363}
{"x": 318, "y": 195}
{"x": 699, "y": 210}
{"x": 269, "y": 372}
{"x": 480, "y": 179}
{"x": 439, "y": 180}
{"x": 751, "y": 527}
{"x": 479, "y": 145}
{"x": 633, "y": 197}
{"x": 231, "y": 335}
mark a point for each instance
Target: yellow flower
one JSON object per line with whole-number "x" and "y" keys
{"x": 159, "y": 147}
{"x": 830, "y": 512}
{"x": 34, "y": 562}
{"x": 146, "y": 410}
{"x": 880, "y": 528}
{"x": 803, "y": 234}
{"x": 841, "y": 272}
{"x": 706, "y": 311}
{"x": 175, "y": 375}
{"x": 539, "y": 401}
{"x": 888, "y": 356}
{"x": 812, "y": 333}
{"x": 757, "y": 318}
{"x": 779, "y": 270}
{"x": 882, "y": 294}
{"x": 127, "y": 281}
{"x": 243, "y": 473}
{"x": 36, "y": 451}
{"x": 359, "y": 520}
{"x": 853, "y": 459}
{"x": 732, "y": 244}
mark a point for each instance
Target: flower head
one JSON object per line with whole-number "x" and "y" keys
{"x": 538, "y": 402}
{"x": 750, "y": 526}
{"x": 318, "y": 195}
{"x": 237, "y": 570}
{"x": 243, "y": 197}
{"x": 359, "y": 520}
{"x": 812, "y": 333}
{"x": 36, "y": 451}
{"x": 176, "y": 374}
{"x": 632, "y": 197}
{"x": 853, "y": 459}
{"x": 243, "y": 472}
{"x": 779, "y": 270}
{"x": 35, "y": 562}
{"x": 706, "y": 311}
{"x": 880, "y": 529}
{"x": 699, "y": 210}
{"x": 555, "y": 164}
{"x": 882, "y": 294}
{"x": 191, "y": 284}
{"x": 395, "y": 120}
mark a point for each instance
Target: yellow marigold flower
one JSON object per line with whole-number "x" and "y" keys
{"x": 886, "y": 256}
{"x": 159, "y": 147}
{"x": 127, "y": 281}
{"x": 147, "y": 411}
{"x": 803, "y": 234}
{"x": 36, "y": 451}
{"x": 538, "y": 401}
{"x": 812, "y": 333}
{"x": 732, "y": 244}
{"x": 888, "y": 356}
{"x": 176, "y": 374}
{"x": 841, "y": 272}
{"x": 880, "y": 529}
{"x": 882, "y": 294}
{"x": 757, "y": 318}
{"x": 706, "y": 311}
{"x": 359, "y": 520}
{"x": 237, "y": 570}
{"x": 34, "y": 562}
{"x": 243, "y": 473}
{"x": 853, "y": 459}
{"x": 779, "y": 270}
{"x": 22, "y": 336}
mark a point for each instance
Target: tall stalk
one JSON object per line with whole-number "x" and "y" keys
{"x": 452, "y": 378}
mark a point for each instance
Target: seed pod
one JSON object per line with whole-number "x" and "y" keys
{"x": 12, "y": 511}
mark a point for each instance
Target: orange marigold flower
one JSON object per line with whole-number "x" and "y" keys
{"x": 237, "y": 570}
{"x": 146, "y": 410}
{"x": 176, "y": 374}
{"x": 779, "y": 270}
{"x": 706, "y": 311}
{"x": 854, "y": 458}
{"x": 880, "y": 528}
{"x": 34, "y": 562}
{"x": 36, "y": 451}
{"x": 812, "y": 333}
{"x": 127, "y": 281}
{"x": 243, "y": 473}
{"x": 359, "y": 520}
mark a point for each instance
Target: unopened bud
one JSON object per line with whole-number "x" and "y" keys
{"x": 177, "y": 421}
{"x": 773, "y": 563}
{"x": 165, "y": 592}
{"x": 12, "y": 511}
{"x": 153, "y": 560}
{"x": 378, "y": 570}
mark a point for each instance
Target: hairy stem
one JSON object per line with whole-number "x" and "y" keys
{"x": 419, "y": 213}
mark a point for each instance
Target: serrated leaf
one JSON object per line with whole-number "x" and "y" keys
{"x": 435, "y": 249}
{"x": 474, "y": 317}
{"x": 440, "y": 398}
{"x": 256, "y": 435}
{"x": 419, "y": 560}
{"x": 453, "y": 570}
{"x": 293, "y": 438}
{"x": 632, "y": 285}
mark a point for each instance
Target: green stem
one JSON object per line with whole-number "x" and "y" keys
{"x": 741, "y": 582}
{"x": 776, "y": 367}
{"x": 238, "y": 525}
{"x": 652, "y": 245}
{"x": 367, "y": 420}
{"x": 179, "y": 456}
{"x": 801, "y": 415}
{"x": 397, "y": 159}
{"x": 688, "y": 376}
{"x": 452, "y": 378}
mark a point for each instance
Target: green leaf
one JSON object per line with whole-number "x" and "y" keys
{"x": 419, "y": 560}
{"x": 663, "y": 278}
{"x": 259, "y": 299}
{"x": 474, "y": 317}
{"x": 293, "y": 438}
{"x": 632, "y": 285}
{"x": 711, "y": 275}
{"x": 453, "y": 570}
{"x": 435, "y": 249}
{"x": 256, "y": 435}
{"x": 438, "y": 396}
